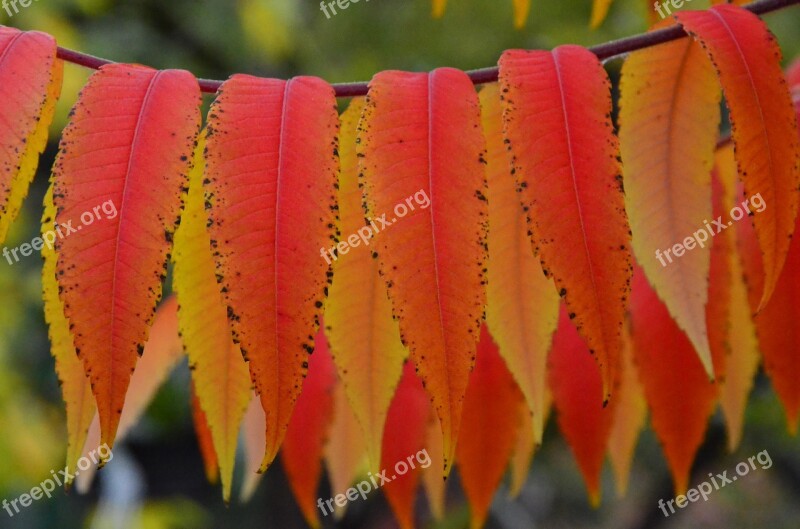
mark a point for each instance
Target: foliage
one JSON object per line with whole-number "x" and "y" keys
{"x": 252, "y": 203}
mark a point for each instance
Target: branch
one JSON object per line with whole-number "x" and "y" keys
{"x": 603, "y": 51}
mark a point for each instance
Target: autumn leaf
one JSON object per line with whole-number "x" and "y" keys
{"x": 422, "y": 155}
{"x": 557, "y": 109}
{"x": 219, "y": 373}
{"x": 599, "y": 12}
{"x": 764, "y": 127}
{"x": 679, "y": 394}
{"x": 490, "y": 427}
{"x": 435, "y": 486}
{"x": 629, "y": 418}
{"x": 403, "y": 438}
{"x": 272, "y": 208}
{"x": 30, "y": 84}
{"x": 122, "y": 162}
{"x": 364, "y": 338}
{"x": 162, "y": 352}
{"x": 720, "y": 281}
{"x": 253, "y": 439}
{"x": 584, "y": 420}
{"x": 522, "y": 9}
{"x": 734, "y": 323}
{"x": 75, "y": 387}
{"x": 669, "y": 119}
{"x": 524, "y": 450}
{"x": 205, "y": 439}
{"x": 776, "y": 323}
{"x": 302, "y": 453}
{"x": 522, "y": 305}
{"x": 346, "y": 450}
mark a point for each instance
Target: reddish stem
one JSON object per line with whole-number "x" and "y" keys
{"x": 603, "y": 51}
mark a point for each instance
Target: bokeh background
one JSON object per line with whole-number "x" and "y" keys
{"x": 156, "y": 479}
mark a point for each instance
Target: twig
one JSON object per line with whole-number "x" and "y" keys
{"x": 603, "y": 51}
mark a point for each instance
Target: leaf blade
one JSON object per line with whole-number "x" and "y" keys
{"x": 522, "y": 305}
{"x": 27, "y": 59}
{"x": 116, "y": 151}
{"x": 364, "y": 338}
{"x": 669, "y": 112}
{"x": 764, "y": 126}
{"x": 555, "y": 103}
{"x": 267, "y": 251}
{"x": 407, "y": 114}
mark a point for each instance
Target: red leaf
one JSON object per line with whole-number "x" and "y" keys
{"x": 422, "y": 162}
{"x": 764, "y": 127}
{"x": 204, "y": 439}
{"x": 404, "y": 436}
{"x": 30, "y": 84}
{"x": 578, "y": 398}
{"x": 125, "y": 153}
{"x": 493, "y": 410}
{"x": 272, "y": 210}
{"x": 308, "y": 430}
{"x": 677, "y": 389}
{"x": 557, "y": 113}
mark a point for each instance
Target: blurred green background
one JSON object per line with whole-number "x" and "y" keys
{"x": 157, "y": 479}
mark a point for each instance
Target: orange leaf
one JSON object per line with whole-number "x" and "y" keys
{"x": 521, "y": 304}
{"x": 365, "y": 340}
{"x": 522, "y": 457}
{"x": 764, "y": 127}
{"x": 438, "y": 8}
{"x": 308, "y": 430}
{"x": 677, "y": 389}
{"x": 30, "y": 84}
{"x": 218, "y": 371}
{"x": 161, "y": 354}
{"x": 629, "y": 419}
{"x": 435, "y": 486}
{"x": 489, "y": 429}
{"x": 345, "y": 453}
{"x": 599, "y": 12}
{"x": 578, "y": 398}
{"x": 521, "y": 10}
{"x": 742, "y": 362}
{"x": 205, "y": 439}
{"x": 720, "y": 282}
{"x": 776, "y": 323}
{"x": 75, "y": 387}
{"x": 126, "y": 151}
{"x": 272, "y": 211}
{"x": 734, "y": 327}
{"x": 557, "y": 109}
{"x": 669, "y": 119}
{"x": 404, "y": 437}
{"x": 422, "y": 164}
{"x": 254, "y": 437}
